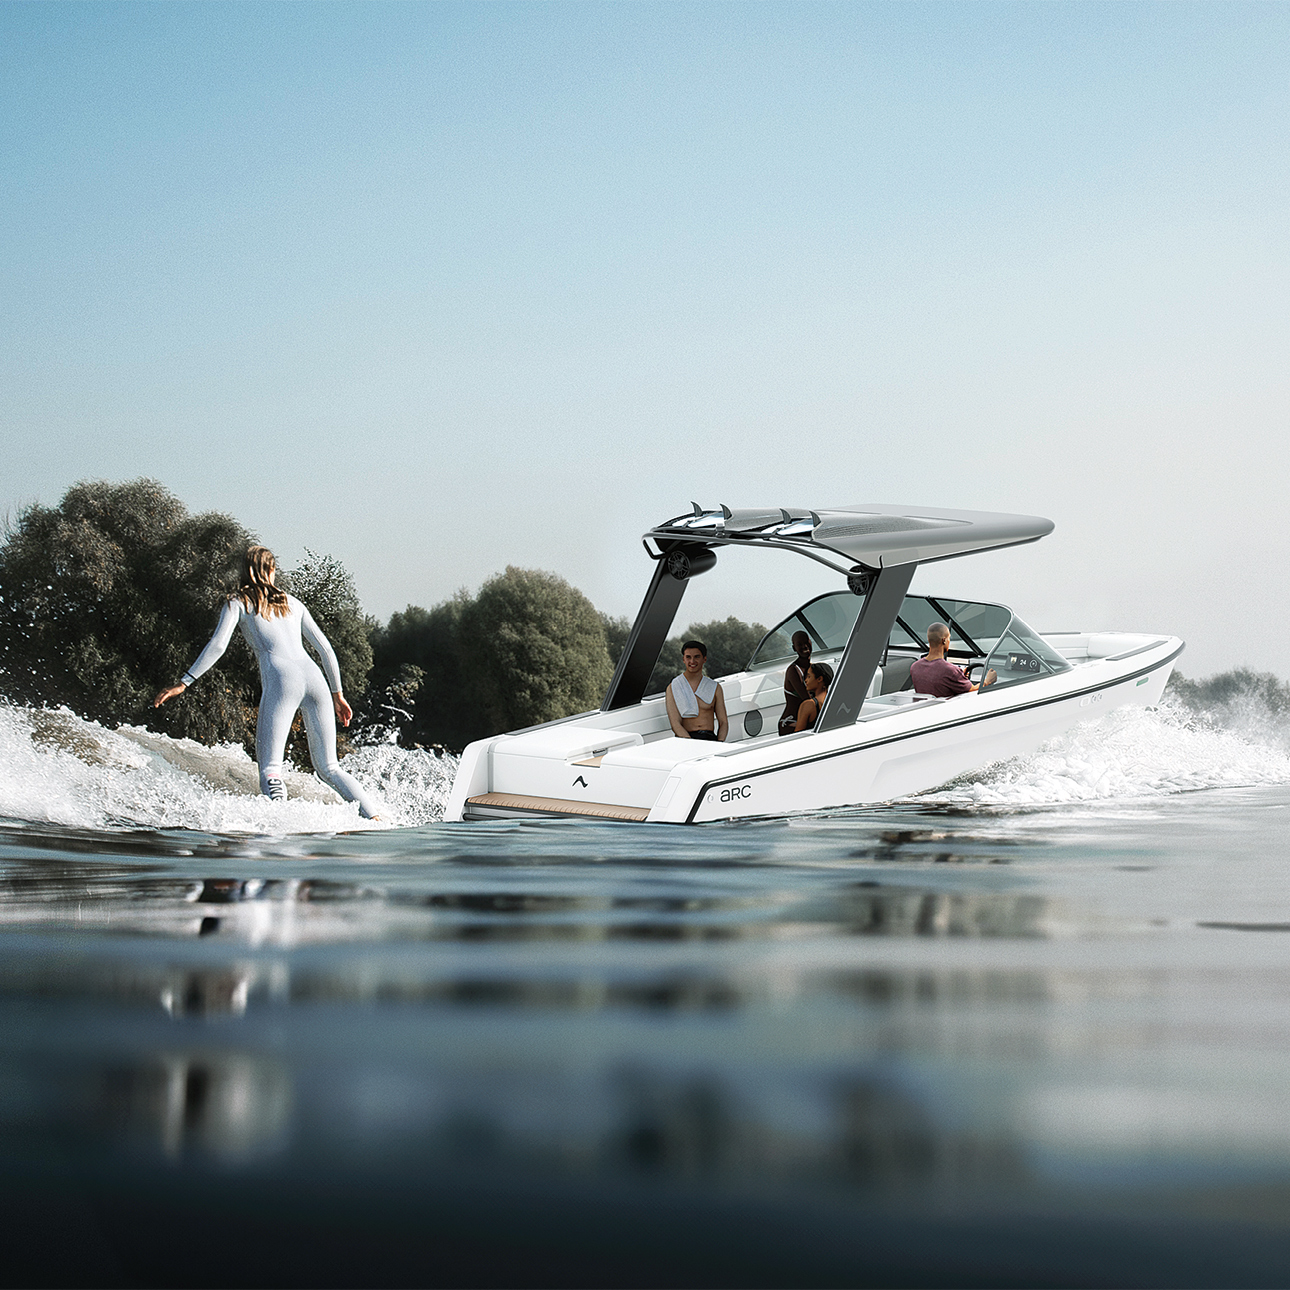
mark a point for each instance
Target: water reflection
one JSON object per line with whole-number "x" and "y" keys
{"x": 869, "y": 1134}
{"x": 887, "y": 989}
{"x": 226, "y": 1105}
{"x": 874, "y": 910}
{"x": 865, "y": 1132}
{"x": 217, "y": 992}
{"x": 868, "y": 1013}
{"x": 314, "y": 909}
{"x": 939, "y": 846}
{"x": 232, "y": 990}
{"x": 889, "y": 1141}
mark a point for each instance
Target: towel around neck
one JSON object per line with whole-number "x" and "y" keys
{"x": 687, "y": 701}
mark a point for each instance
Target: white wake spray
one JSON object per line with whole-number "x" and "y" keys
{"x": 56, "y": 768}
{"x": 1133, "y": 753}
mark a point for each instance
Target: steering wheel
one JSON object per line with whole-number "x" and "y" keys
{"x": 979, "y": 663}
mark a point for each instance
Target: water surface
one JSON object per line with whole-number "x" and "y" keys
{"x": 1031, "y": 1029}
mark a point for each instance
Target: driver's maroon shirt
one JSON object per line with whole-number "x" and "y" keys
{"x": 938, "y": 677}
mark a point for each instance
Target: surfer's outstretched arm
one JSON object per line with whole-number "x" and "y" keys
{"x": 207, "y": 659}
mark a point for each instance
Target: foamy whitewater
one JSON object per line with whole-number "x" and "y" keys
{"x": 1133, "y": 753}
{"x": 56, "y": 768}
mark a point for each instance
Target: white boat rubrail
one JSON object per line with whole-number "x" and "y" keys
{"x": 875, "y": 739}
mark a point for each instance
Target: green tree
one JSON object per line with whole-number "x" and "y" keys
{"x": 617, "y": 630}
{"x": 392, "y": 708}
{"x": 532, "y": 648}
{"x": 327, "y": 589}
{"x": 110, "y": 595}
{"x": 442, "y": 709}
{"x": 730, "y": 643}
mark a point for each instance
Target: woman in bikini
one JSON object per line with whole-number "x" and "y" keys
{"x": 819, "y": 676}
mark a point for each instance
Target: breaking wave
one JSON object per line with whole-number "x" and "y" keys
{"x": 1232, "y": 734}
{"x": 56, "y": 768}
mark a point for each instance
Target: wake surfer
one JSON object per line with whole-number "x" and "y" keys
{"x": 275, "y": 626}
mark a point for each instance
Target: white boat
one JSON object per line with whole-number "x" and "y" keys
{"x": 875, "y": 739}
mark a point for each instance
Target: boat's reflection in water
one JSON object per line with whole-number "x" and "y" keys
{"x": 292, "y": 912}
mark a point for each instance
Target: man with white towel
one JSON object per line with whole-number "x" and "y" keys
{"x": 695, "y": 703}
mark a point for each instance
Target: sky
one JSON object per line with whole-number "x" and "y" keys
{"x": 440, "y": 288}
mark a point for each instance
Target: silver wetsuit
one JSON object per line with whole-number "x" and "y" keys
{"x": 290, "y": 681}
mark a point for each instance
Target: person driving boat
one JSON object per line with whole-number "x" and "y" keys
{"x": 934, "y": 674}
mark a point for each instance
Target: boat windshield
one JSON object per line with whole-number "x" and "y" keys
{"x": 827, "y": 620}
{"x": 1021, "y": 654}
{"x": 978, "y": 632}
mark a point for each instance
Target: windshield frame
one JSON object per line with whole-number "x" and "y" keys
{"x": 975, "y": 651}
{"x": 818, "y": 643}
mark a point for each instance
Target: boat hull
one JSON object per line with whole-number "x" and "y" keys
{"x": 889, "y": 753}
{"x": 899, "y": 763}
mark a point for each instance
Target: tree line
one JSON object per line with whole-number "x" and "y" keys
{"x": 111, "y": 594}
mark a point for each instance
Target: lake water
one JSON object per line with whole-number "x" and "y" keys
{"x": 1032, "y": 1028}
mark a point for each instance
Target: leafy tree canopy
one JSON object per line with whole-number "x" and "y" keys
{"x": 1230, "y": 689}
{"x": 442, "y": 709}
{"x": 730, "y": 643}
{"x": 523, "y": 652}
{"x": 109, "y": 595}
{"x": 532, "y": 648}
{"x": 327, "y": 588}
{"x": 617, "y": 630}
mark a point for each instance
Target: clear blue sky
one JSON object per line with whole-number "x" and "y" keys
{"x": 438, "y": 288}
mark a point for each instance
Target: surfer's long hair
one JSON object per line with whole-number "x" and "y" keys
{"x": 257, "y": 591}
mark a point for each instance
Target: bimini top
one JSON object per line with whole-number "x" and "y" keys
{"x": 875, "y": 536}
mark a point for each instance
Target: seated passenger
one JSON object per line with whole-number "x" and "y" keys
{"x": 819, "y": 676}
{"x": 795, "y": 691}
{"x": 694, "y": 700}
{"x": 935, "y": 674}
